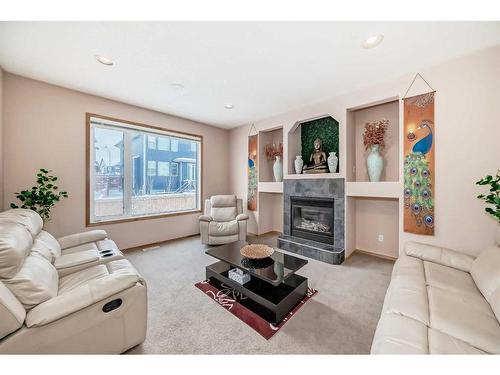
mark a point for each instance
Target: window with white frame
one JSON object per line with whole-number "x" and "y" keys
{"x": 139, "y": 171}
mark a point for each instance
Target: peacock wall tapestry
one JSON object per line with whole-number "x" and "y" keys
{"x": 418, "y": 168}
{"x": 252, "y": 173}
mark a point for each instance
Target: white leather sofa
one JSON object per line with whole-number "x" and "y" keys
{"x": 91, "y": 304}
{"x": 441, "y": 301}
{"x": 223, "y": 221}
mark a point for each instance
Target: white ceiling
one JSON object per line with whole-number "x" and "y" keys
{"x": 262, "y": 68}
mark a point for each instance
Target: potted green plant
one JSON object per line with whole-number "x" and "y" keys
{"x": 492, "y": 199}
{"x": 42, "y": 197}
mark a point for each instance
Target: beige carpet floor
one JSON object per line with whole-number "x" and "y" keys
{"x": 341, "y": 318}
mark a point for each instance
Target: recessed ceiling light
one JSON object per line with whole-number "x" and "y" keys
{"x": 104, "y": 60}
{"x": 228, "y": 106}
{"x": 372, "y": 41}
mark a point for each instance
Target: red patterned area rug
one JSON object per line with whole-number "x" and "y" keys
{"x": 233, "y": 301}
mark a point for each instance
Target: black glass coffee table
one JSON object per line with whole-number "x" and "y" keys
{"x": 274, "y": 288}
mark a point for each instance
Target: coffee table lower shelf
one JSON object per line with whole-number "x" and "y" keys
{"x": 270, "y": 302}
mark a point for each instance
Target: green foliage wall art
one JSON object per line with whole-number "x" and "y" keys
{"x": 327, "y": 129}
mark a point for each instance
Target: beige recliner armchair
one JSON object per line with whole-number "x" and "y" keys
{"x": 97, "y": 303}
{"x": 223, "y": 221}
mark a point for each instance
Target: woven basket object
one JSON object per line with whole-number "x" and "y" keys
{"x": 256, "y": 251}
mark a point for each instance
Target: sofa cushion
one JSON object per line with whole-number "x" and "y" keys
{"x": 12, "y": 313}
{"x": 78, "y": 239}
{"x": 221, "y": 240}
{"x": 408, "y": 294}
{"x": 47, "y": 246}
{"x": 439, "y": 255}
{"x": 41, "y": 249}
{"x": 495, "y": 303}
{"x": 76, "y": 279}
{"x": 36, "y": 281}
{"x": 227, "y": 228}
{"x": 50, "y": 242}
{"x": 223, "y": 213}
{"x": 15, "y": 245}
{"x": 223, "y": 207}
{"x": 108, "y": 280}
{"x": 486, "y": 271}
{"x": 464, "y": 317}
{"x": 450, "y": 279}
{"x": 223, "y": 201}
{"x": 398, "y": 334}
{"x": 29, "y": 219}
{"x": 441, "y": 343}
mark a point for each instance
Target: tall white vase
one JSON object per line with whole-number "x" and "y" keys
{"x": 374, "y": 163}
{"x": 333, "y": 161}
{"x": 278, "y": 170}
{"x": 299, "y": 163}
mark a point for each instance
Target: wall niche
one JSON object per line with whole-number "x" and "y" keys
{"x": 301, "y": 140}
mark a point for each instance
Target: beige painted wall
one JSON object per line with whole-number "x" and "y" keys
{"x": 376, "y": 217}
{"x": 44, "y": 126}
{"x": 467, "y": 133}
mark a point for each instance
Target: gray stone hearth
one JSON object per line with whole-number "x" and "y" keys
{"x": 332, "y": 188}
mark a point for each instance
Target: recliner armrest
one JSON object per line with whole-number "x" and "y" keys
{"x": 79, "y": 298}
{"x": 82, "y": 238}
{"x": 241, "y": 217}
{"x": 439, "y": 255}
{"x": 205, "y": 218}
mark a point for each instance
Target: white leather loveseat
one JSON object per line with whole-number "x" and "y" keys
{"x": 72, "y": 295}
{"x": 441, "y": 301}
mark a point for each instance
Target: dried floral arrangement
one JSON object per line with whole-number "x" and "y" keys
{"x": 374, "y": 133}
{"x": 273, "y": 150}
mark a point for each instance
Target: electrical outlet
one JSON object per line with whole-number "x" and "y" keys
{"x": 380, "y": 238}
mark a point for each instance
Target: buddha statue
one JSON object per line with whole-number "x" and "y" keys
{"x": 317, "y": 161}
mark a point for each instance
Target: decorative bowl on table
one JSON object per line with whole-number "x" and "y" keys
{"x": 256, "y": 251}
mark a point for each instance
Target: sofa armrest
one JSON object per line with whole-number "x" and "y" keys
{"x": 205, "y": 218}
{"x": 79, "y": 298}
{"x": 439, "y": 255}
{"x": 241, "y": 217}
{"x": 82, "y": 238}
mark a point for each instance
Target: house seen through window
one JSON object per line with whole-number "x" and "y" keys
{"x": 137, "y": 171}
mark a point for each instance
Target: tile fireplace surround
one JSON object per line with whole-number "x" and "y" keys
{"x": 321, "y": 188}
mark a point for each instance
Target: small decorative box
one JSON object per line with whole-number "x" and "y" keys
{"x": 239, "y": 276}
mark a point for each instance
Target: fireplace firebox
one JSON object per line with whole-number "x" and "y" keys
{"x": 312, "y": 218}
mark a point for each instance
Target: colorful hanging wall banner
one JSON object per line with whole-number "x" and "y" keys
{"x": 253, "y": 165}
{"x": 419, "y": 164}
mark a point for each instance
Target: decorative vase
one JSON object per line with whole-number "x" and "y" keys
{"x": 374, "y": 163}
{"x": 299, "y": 163}
{"x": 333, "y": 161}
{"x": 278, "y": 170}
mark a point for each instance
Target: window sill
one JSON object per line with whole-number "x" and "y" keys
{"x": 138, "y": 218}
